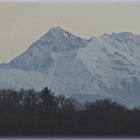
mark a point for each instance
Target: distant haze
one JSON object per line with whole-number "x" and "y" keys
{"x": 22, "y": 24}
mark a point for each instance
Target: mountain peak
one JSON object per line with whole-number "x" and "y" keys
{"x": 56, "y": 28}
{"x": 40, "y": 52}
{"x": 58, "y": 32}
{"x": 58, "y": 39}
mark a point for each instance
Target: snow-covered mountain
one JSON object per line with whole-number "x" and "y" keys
{"x": 38, "y": 56}
{"x": 107, "y": 66}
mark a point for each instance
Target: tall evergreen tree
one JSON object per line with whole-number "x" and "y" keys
{"x": 48, "y": 99}
{"x": 49, "y": 103}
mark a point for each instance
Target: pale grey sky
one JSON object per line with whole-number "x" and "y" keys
{"x": 22, "y": 24}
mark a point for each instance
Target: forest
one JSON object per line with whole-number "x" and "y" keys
{"x": 43, "y": 114}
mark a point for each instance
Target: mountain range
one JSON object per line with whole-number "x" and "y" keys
{"x": 106, "y": 66}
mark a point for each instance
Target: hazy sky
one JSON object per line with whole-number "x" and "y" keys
{"x": 22, "y": 24}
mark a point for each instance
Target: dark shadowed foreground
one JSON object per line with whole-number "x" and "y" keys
{"x": 27, "y": 113}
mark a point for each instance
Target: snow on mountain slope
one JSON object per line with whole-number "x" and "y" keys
{"x": 69, "y": 76}
{"x": 113, "y": 60}
{"x": 17, "y": 79}
{"x": 107, "y": 66}
{"x": 38, "y": 56}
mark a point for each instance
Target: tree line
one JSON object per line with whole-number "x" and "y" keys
{"x": 30, "y": 113}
